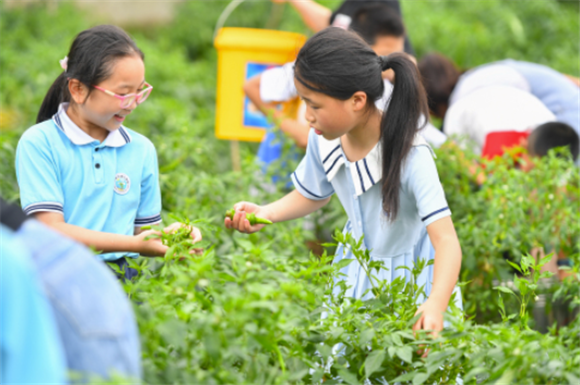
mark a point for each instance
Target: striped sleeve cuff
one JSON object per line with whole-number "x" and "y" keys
{"x": 436, "y": 215}
{"x": 148, "y": 221}
{"x": 305, "y": 192}
{"x": 54, "y": 207}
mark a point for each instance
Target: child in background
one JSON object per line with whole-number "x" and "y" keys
{"x": 381, "y": 27}
{"x": 381, "y": 169}
{"x": 317, "y": 17}
{"x": 80, "y": 171}
{"x": 446, "y": 85}
{"x": 499, "y": 117}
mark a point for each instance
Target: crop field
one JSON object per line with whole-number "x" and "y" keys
{"x": 263, "y": 308}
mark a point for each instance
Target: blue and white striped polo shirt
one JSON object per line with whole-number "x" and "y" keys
{"x": 111, "y": 186}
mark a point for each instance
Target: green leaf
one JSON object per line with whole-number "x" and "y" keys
{"x": 572, "y": 379}
{"x": 517, "y": 267}
{"x": 342, "y": 263}
{"x": 349, "y": 377}
{"x": 366, "y": 335}
{"x": 405, "y": 353}
{"x": 506, "y": 378}
{"x": 405, "y": 377}
{"x": 397, "y": 339}
{"x": 473, "y": 373}
{"x": 504, "y": 289}
{"x": 420, "y": 378}
{"x": 545, "y": 260}
{"x": 374, "y": 362}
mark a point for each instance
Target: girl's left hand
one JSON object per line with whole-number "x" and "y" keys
{"x": 431, "y": 317}
{"x": 194, "y": 233}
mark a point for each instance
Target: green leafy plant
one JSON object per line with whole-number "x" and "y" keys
{"x": 250, "y": 309}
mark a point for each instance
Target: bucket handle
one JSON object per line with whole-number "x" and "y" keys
{"x": 225, "y": 14}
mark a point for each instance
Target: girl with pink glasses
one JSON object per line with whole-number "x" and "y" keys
{"x": 79, "y": 169}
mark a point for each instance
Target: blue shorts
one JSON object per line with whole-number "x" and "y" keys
{"x": 128, "y": 272}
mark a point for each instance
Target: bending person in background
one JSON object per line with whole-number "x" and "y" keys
{"x": 377, "y": 164}
{"x": 445, "y": 85}
{"x": 498, "y": 117}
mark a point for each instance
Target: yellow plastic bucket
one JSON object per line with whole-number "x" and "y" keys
{"x": 243, "y": 53}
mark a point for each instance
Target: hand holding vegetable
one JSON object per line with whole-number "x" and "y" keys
{"x": 156, "y": 247}
{"x": 246, "y": 218}
{"x": 254, "y": 220}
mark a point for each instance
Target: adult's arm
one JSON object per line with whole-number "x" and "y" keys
{"x": 315, "y": 16}
{"x": 297, "y": 131}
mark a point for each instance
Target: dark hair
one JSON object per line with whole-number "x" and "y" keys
{"x": 339, "y": 63}
{"x": 439, "y": 75}
{"x": 90, "y": 60}
{"x": 551, "y": 135}
{"x": 374, "y": 20}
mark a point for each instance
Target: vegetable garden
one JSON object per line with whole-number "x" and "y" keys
{"x": 262, "y": 308}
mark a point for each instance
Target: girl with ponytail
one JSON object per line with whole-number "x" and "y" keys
{"x": 377, "y": 164}
{"x": 79, "y": 169}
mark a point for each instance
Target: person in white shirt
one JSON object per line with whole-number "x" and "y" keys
{"x": 496, "y": 117}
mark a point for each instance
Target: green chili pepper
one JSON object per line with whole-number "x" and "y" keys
{"x": 254, "y": 220}
{"x": 257, "y": 220}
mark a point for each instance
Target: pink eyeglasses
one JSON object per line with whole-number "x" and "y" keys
{"x": 129, "y": 99}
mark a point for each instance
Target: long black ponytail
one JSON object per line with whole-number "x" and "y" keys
{"x": 399, "y": 125}
{"x": 339, "y": 63}
{"x": 90, "y": 60}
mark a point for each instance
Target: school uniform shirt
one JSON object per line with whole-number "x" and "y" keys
{"x": 325, "y": 171}
{"x": 277, "y": 85}
{"x": 495, "y": 109}
{"x": 553, "y": 89}
{"x": 111, "y": 186}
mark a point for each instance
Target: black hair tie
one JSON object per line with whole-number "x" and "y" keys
{"x": 385, "y": 63}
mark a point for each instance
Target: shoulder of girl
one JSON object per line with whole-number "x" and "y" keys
{"x": 39, "y": 133}
{"x": 420, "y": 141}
{"x": 420, "y": 158}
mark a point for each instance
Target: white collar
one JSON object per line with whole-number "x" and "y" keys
{"x": 115, "y": 138}
{"x": 366, "y": 172}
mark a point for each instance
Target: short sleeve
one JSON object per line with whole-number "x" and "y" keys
{"x": 309, "y": 178}
{"x": 422, "y": 181}
{"x": 149, "y": 211}
{"x": 38, "y": 174}
{"x": 277, "y": 84}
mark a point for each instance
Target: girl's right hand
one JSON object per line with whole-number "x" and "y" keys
{"x": 152, "y": 247}
{"x": 239, "y": 221}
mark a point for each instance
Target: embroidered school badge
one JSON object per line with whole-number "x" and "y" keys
{"x": 122, "y": 184}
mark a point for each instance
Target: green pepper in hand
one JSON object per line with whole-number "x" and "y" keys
{"x": 254, "y": 220}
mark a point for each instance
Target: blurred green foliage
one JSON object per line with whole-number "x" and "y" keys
{"x": 249, "y": 310}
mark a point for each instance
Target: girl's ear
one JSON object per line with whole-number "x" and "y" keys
{"x": 78, "y": 91}
{"x": 359, "y": 100}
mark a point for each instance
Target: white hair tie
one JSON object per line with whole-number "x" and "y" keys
{"x": 64, "y": 63}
